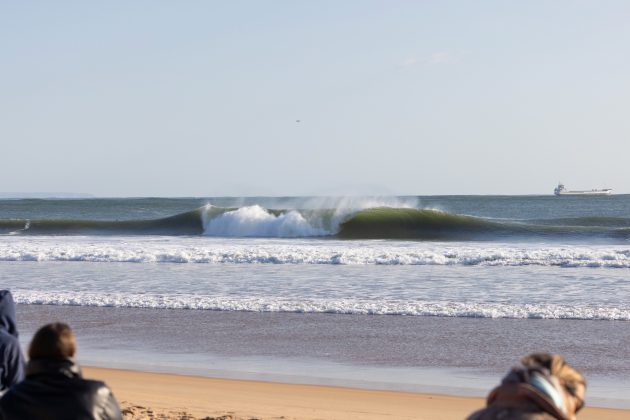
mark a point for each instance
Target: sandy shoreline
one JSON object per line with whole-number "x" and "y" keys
{"x": 159, "y": 395}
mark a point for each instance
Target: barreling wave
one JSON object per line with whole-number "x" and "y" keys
{"x": 370, "y": 223}
{"x": 333, "y": 306}
{"x": 429, "y": 224}
{"x": 250, "y": 221}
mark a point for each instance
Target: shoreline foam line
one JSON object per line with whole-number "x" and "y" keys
{"x": 325, "y": 306}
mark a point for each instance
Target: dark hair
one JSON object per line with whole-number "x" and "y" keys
{"x": 53, "y": 341}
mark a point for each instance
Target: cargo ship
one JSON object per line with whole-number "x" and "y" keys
{"x": 561, "y": 190}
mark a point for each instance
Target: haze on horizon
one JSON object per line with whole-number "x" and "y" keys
{"x": 296, "y": 98}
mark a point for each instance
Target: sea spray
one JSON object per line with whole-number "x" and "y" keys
{"x": 314, "y": 217}
{"x": 255, "y": 221}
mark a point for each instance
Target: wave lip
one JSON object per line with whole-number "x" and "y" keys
{"x": 335, "y": 306}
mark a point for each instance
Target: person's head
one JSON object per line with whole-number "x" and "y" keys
{"x": 53, "y": 341}
{"x": 566, "y": 379}
{"x": 542, "y": 383}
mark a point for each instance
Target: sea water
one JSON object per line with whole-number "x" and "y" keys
{"x": 416, "y": 293}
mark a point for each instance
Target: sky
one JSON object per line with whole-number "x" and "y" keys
{"x": 279, "y": 98}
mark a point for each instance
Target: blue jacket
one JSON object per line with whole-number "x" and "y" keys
{"x": 11, "y": 359}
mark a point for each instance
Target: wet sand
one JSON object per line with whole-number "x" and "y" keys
{"x": 425, "y": 355}
{"x": 145, "y": 394}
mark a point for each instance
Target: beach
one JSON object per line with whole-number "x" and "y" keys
{"x": 308, "y": 366}
{"x": 311, "y": 296}
{"x": 177, "y": 395}
{"x": 318, "y": 210}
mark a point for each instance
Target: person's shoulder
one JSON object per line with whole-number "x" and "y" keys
{"x": 11, "y": 398}
{"x": 512, "y": 413}
{"x": 98, "y": 389}
{"x": 103, "y": 401}
{"x": 20, "y": 389}
{"x": 91, "y": 384}
{"x": 9, "y": 343}
{"x": 5, "y": 337}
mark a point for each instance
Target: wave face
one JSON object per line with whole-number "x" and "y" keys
{"x": 248, "y": 221}
{"x": 342, "y": 223}
{"x": 188, "y": 223}
{"x": 429, "y": 224}
{"x": 332, "y": 306}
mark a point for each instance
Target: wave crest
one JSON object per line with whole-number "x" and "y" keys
{"x": 255, "y": 221}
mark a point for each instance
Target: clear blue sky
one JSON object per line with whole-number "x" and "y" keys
{"x": 201, "y": 98}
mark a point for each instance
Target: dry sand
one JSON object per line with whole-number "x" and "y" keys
{"x": 165, "y": 396}
{"x": 146, "y": 395}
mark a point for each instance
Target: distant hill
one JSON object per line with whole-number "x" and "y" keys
{"x": 44, "y": 195}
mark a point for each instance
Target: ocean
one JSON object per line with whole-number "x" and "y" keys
{"x": 430, "y": 293}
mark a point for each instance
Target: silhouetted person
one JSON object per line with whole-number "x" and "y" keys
{"x": 11, "y": 359}
{"x": 54, "y": 387}
{"x": 543, "y": 387}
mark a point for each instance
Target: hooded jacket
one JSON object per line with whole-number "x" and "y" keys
{"x": 55, "y": 389}
{"x": 543, "y": 387}
{"x": 11, "y": 359}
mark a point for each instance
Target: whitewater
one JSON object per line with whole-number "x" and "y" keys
{"x": 313, "y": 251}
{"x": 503, "y": 249}
{"x": 274, "y": 276}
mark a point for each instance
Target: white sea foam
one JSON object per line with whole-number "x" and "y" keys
{"x": 255, "y": 221}
{"x": 313, "y": 251}
{"x": 336, "y": 306}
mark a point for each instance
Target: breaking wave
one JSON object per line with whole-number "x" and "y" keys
{"x": 333, "y": 306}
{"x": 321, "y": 252}
{"x": 255, "y": 221}
{"x": 342, "y": 223}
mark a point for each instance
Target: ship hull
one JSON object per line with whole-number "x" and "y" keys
{"x": 594, "y": 192}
